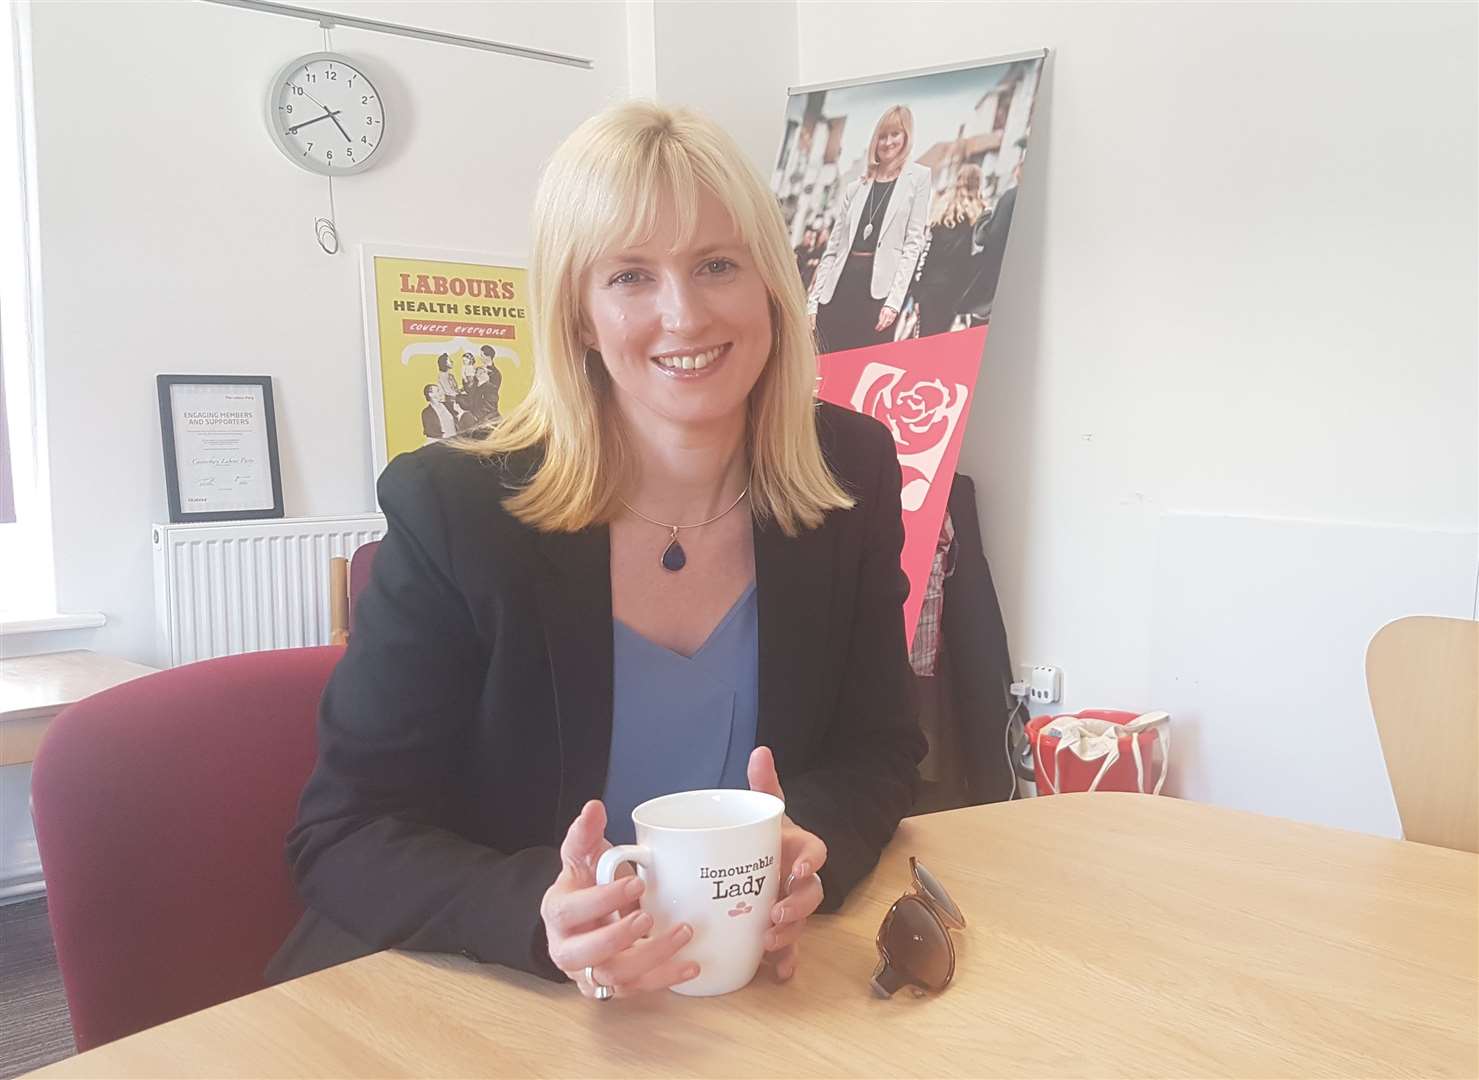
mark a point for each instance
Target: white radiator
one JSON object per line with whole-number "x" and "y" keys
{"x": 244, "y": 586}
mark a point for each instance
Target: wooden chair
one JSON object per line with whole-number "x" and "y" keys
{"x": 347, "y": 577}
{"x": 1422, "y": 673}
{"x": 338, "y": 600}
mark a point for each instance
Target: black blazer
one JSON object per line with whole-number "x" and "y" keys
{"x": 973, "y": 632}
{"x": 470, "y": 718}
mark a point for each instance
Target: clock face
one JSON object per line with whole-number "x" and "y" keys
{"x": 325, "y": 115}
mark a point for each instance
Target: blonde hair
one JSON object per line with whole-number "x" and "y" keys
{"x": 600, "y": 192}
{"x": 963, "y": 202}
{"x": 901, "y": 117}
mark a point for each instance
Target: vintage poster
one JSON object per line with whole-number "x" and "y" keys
{"x": 447, "y": 344}
{"x": 898, "y": 192}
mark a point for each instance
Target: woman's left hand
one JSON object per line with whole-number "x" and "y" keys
{"x": 886, "y": 317}
{"x": 802, "y": 855}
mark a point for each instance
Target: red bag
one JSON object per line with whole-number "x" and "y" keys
{"x": 1099, "y": 750}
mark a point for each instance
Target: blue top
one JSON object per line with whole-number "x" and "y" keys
{"x": 681, "y": 723}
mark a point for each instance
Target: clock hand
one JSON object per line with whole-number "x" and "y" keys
{"x": 334, "y": 116}
{"x": 327, "y": 116}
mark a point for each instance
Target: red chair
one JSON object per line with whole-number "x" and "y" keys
{"x": 359, "y": 572}
{"x": 161, "y": 807}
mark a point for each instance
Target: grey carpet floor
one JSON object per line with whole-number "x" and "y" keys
{"x": 35, "y": 1028}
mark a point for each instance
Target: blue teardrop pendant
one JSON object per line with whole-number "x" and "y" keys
{"x": 674, "y": 558}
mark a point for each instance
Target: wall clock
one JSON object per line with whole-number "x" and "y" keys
{"x": 326, "y": 115}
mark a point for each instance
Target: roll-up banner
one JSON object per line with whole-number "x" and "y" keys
{"x": 898, "y": 194}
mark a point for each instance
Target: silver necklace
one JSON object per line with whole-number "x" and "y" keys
{"x": 868, "y": 228}
{"x": 674, "y": 558}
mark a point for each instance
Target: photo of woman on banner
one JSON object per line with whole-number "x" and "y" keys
{"x": 875, "y": 244}
{"x": 947, "y": 270}
{"x": 988, "y": 247}
{"x": 809, "y": 252}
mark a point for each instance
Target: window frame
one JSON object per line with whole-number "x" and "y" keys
{"x": 28, "y": 594}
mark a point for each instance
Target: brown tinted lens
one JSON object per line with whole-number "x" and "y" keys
{"x": 917, "y": 945}
{"x": 931, "y": 884}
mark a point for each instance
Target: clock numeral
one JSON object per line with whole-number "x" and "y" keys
{"x": 333, "y": 75}
{"x": 350, "y": 152}
{"x": 364, "y": 99}
{"x": 329, "y": 154}
{"x": 369, "y": 119}
{"x": 351, "y": 82}
{"x": 289, "y": 108}
{"x": 365, "y": 139}
{"x": 296, "y": 89}
{"x": 310, "y": 146}
{"x": 311, "y": 76}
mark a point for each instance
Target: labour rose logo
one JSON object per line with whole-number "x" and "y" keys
{"x": 919, "y": 416}
{"x": 922, "y": 416}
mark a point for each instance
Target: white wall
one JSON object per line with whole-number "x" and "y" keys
{"x": 1241, "y": 281}
{"x": 175, "y": 237}
{"x": 733, "y": 60}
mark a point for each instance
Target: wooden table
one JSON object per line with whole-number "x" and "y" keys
{"x": 1110, "y": 935}
{"x": 33, "y": 689}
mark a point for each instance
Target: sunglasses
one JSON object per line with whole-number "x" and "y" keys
{"x": 914, "y": 946}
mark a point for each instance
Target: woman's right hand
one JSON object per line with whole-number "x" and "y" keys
{"x": 601, "y": 926}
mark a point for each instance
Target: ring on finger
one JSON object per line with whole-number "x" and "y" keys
{"x": 600, "y": 991}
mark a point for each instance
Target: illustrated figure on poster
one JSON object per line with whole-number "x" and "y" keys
{"x": 989, "y": 246}
{"x": 477, "y": 411}
{"x": 875, "y": 244}
{"x": 468, "y": 395}
{"x": 467, "y": 390}
{"x": 446, "y": 380}
{"x": 493, "y": 382}
{"x": 470, "y": 363}
{"x": 437, "y": 420}
{"x": 947, "y": 270}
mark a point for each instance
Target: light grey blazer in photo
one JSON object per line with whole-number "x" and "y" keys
{"x": 900, "y": 238}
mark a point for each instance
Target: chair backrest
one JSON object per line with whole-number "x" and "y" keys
{"x": 1422, "y": 673}
{"x": 160, "y": 808}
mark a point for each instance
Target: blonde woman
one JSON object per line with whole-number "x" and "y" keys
{"x": 947, "y": 268}
{"x": 669, "y": 568}
{"x": 876, "y": 239}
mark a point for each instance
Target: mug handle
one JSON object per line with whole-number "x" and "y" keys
{"x": 614, "y": 857}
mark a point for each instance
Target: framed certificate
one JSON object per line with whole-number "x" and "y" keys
{"x": 220, "y": 447}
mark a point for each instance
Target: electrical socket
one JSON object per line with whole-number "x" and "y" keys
{"x": 1044, "y": 683}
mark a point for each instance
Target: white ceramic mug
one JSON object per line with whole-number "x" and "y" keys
{"x": 710, "y": 859}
